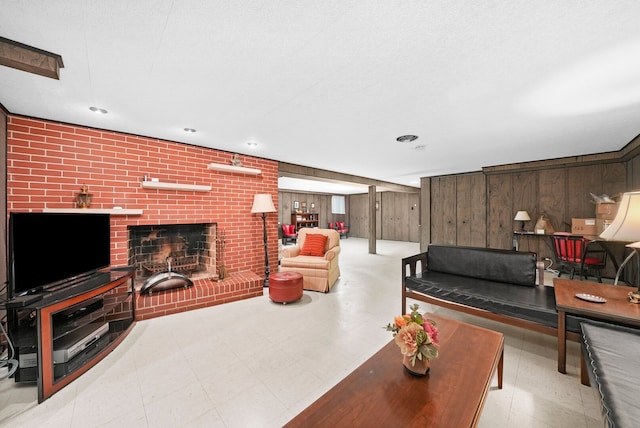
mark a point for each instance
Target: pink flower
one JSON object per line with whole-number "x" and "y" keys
{"x": 432, "y": 331}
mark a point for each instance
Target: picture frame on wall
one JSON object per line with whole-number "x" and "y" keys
{"x": 296, "y": 205}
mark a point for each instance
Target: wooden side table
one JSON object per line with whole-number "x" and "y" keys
{"x": 617, "y": 308}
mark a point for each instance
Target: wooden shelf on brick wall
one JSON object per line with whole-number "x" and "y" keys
{"x": 175, "y": 186}
{"x": 112, "y": 211}
{"x": 233, "y": 168}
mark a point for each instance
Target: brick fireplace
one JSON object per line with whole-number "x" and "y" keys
{"x": 48, "y": 162}
{"x": 189, "y": 249}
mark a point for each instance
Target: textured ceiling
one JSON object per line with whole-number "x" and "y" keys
{"x": 331, "y": 84}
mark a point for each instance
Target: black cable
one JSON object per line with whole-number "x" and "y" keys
{"x": 10, "y": 362}
{"x": 2, "y": 290}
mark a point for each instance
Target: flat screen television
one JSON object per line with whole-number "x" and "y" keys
{"x": 48, "y": 250}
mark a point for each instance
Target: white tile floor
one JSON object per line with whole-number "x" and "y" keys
{"x": 255, "y": 363}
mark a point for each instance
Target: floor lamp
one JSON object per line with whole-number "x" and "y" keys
{"x": 626, "y": 228}
{"x": 263, "y": 204}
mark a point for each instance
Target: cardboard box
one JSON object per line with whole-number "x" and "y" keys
{"x": 609, "y": 217}
{"x": 602, "y": 222}
{"x": 583, "y": 226}
{"x": 606, "y": 208}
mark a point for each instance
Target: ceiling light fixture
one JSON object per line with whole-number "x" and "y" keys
{"x": 98, "y": 110}
{"x": 406, "y": 138}
{"x": 252, "y": 144}
{"x": 189, "y": 130}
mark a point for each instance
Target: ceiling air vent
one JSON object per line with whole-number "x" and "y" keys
{"x": 406, "y": 138}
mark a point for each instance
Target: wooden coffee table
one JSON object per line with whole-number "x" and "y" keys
{"x": 616, "y": 309}
{"x": 381, "y": 393}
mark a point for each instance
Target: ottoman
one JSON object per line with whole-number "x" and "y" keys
{"x": 285, "y": 287}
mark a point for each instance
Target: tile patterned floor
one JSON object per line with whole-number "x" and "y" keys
{"x": 255, "y": 363}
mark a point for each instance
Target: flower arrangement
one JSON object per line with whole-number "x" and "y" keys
{"x": 416, "y": 336}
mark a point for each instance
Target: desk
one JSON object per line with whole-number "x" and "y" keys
{"x": 617, "y": 308}
{"x": 518, "y": 235}
{"x": 381, "y": 393}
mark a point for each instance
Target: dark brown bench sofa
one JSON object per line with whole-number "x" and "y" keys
{"x": 491, "y": 283}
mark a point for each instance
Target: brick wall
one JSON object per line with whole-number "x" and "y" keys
{"x": 48, "y": 162}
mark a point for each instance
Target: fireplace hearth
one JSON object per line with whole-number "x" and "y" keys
{"x": 187, "y": 250}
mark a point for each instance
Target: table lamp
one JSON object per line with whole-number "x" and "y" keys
{"x": 263, "y": 204}
{"x": 626, "y": 227}
{"x": 522, "y": 216}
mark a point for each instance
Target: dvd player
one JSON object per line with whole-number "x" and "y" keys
{"x": 78, "y": 340}
{"x": 81, "y": 309}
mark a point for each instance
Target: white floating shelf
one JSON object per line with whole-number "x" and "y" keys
{"x": 112, "y": 211}
{"x": 174, "y": 186}
{"x": 233, "y": 168}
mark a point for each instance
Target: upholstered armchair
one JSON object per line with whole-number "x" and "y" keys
{"x": 317, "y": 261}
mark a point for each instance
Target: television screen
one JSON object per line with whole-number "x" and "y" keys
{"x": 50, "y": 249}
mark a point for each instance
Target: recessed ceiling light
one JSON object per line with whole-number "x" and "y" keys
{"x": 252, "y": 144}
{"x": 189, "y": 130}
{"x": 98, "y": 110}
{"x": 406, "y": 138}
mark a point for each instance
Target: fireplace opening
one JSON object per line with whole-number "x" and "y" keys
{"x": 165, "y": 253}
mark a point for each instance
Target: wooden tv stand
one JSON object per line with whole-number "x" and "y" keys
{"x": 39, "y": 328}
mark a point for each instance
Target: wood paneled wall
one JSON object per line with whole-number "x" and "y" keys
{"x": 359, "y": 216}
{"x": 477, "y": 209}
{"x": 322, "y": 206}
{"x": 458, "y": 210}
{"x": 397, "y": 218}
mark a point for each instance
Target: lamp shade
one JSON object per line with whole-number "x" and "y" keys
{"x": 262, "y": 203}
{"x": 626, "y": 225}
{"x": 522, "y": 216}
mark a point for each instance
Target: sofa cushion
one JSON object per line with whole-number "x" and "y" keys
{"x": 308, "y": 262}
{"x": 313, "y": 245}
{"x": 611, "y": 354}
{"x": 492, "y": 264}
{"x": 536, "y": 304}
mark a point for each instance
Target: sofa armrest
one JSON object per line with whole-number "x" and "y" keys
{"x": 332, "y": 253}
{"x": 291, "y": 251}
{"x": 540, "y": 267}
